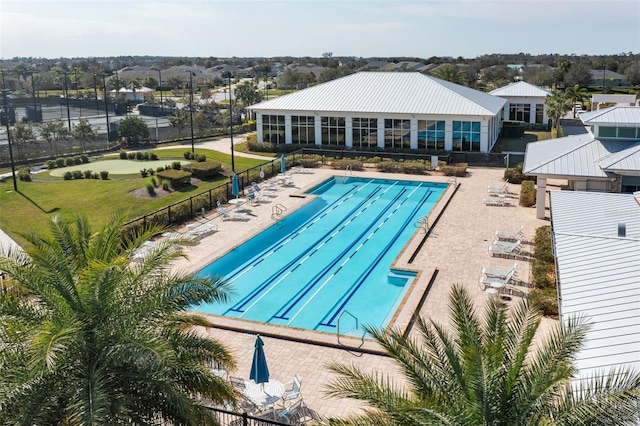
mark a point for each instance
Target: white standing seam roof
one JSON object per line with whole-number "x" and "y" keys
{"x": 613, "y": 116}
{"x": 627, "y": 160}
{"x": 599, "y": 274}
{"x": 520, "y": 89}
{"x": 387, "y": 93}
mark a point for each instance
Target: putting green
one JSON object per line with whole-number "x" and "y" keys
{"x": 116, "y": 166}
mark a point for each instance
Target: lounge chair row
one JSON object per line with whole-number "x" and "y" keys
{"x": 502, "y": 189}
{"x": 497, "y": 201}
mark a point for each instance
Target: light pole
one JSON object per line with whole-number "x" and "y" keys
{"x": 159, "y": 86}
{"x": 33, "y": 90}
{"x": 106, "y": 107}
{"x": 6, "y": 116}
{"x": 191, "y": 105}
{"x": 66, "y": 95}
{"x": 233, "y": 165}
{"x": 75, "y": 75}
{"x": 95, "y": 91}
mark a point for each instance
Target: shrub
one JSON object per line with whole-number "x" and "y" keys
{"x": 154, "y": 182}
{"x": 51, "y": 164}
{"x": 166, "y": 184}
{"x": 123, "y": 155}
{"x": 390, "y": 167}
{"x": 201, "y": 158}
{"x": 87, "y": 174}
{"x": 60, "y": 162}
{"x": 160, "y": 169}
{"x": 252, "y": 138}
{"x": 69, "y": 161}
{"x": 515, "y": 175}
{"x": 67, "y": 176}
{"x": 84, "y": 158}
{"x": 543, "y": 250}
{"x": 205, "y": 170}
{"x": 144, "y": 173}
{"x": 178, "y": 178}
{"x": 414, "y": 167}
{"x": 344, "y": 163}
{"x": 131, "y": 155}
{"x": 104, "y": 175}
{"x": 153, "y": 156}
{"x": 441, "y": 163}
{"x": 458, "y": 170}
{"x": 176, "y": 165}
{"x": 24, "y": 174}
{"x": 95, "y": 175}
{"x": 77, "y": 174}
{"x": 151, "y": 171}
{"x": 188, "y": 155}
{"x": 150, "y": 188}
{"x": 528, "y": 194}
{"x": 545, "y": 300}
{"x": 77, "y": 160}
{"x": 139, "y": 155}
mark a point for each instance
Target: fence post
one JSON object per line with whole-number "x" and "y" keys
{"x": 210, "y": 200}
{"x": 169, "y": 214}
{"x": 191, "y": 206}
{"x": 245, "y": 419}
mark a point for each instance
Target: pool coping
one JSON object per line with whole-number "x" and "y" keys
{"x": 402, "y": 319}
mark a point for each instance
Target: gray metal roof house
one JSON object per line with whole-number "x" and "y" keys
{"x": 597, "y": 250}
{"x": 526, "y": 102}
{"x": 606, "y": 162}
{"x": 406, "y": 110}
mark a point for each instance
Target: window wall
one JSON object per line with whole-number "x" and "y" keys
{"x": 397, "y": 133}
{"x": 520, "y": 112}
{"x": 364, "y": 132}
{"x": 619, "y": 132}
{"x": 539, "y": 113}
{"x": 303, "y": 129}
{"x": 273, "y": 129}
{"x": 431, "y": 134}
{"x": 333, "y": 131}
{"x": 466, "y": 136}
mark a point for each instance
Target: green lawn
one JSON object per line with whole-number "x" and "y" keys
{"x": 35, "y": 202}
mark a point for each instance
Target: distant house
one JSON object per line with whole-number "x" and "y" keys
{"x": 133, "y": 95}
{"x": 607, "y": 159}
{"x": 610, "y": 78}
{"x": 525, "y": 102}
{"x": 406, "y": 110}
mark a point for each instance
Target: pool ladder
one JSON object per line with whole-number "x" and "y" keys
{"x": 277, "y": 212}
{"x": 422, "y": 223}
{"x": 347, "y": 170}
{"x": 360, "y": 333}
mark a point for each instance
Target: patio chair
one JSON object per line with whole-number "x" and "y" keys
{"x": 302, "y": 170}
{"x": 237, "y": 382}
{"x": 502, "y": 189}
{"x": 229, "y": 215}
{"x": 493, "y": 284}
{"x": 508, "y": 235}
{"x": 203, "y": 230}
{"x": 253, "y": 198}
{"x": 292, "y": 390}
{"x": 499, "y": 273}
{"x": 504, "y": 248}
{"x": 264, "y": 191}
{"x": 497, "y": 201}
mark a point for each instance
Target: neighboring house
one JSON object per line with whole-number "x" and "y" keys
{"x": 598, "y": 99}
{"x": 525, "y": 102}
{"x": 596, "y": 240}
{"x": 133, "y": 95}
{"x": 383, "y": 110}
{"x": 606, "y": 160}
{"x": 610, "y": 78}
{"x": 373, "y": 65}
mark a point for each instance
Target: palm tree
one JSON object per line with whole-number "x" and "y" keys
{"x": 89, "y": 337}
{"x": 452, "y": 73}
{"x": 576, "y": 94}
{"x": 486, "y": 371}
{"x": 557, "y": 106}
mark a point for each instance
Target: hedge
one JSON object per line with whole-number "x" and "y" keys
{"x": 204, "y": 170}
{"x": 178, "y": 178}
{"x": 528, "y": 194}
{"x": 458, "y": 170}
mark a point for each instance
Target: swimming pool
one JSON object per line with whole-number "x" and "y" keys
{"x": 334, "y": 254}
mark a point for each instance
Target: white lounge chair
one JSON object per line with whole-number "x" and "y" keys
{"x": 502, "y": 189}
{"x": 504, "y": 248}
{"x": 292, "y": 390}
{"x": 499, "y": 273}
{"x": 232, "y": 215}
{"x": 265, "y": 192}
{"x": 495, "y": 283}
{"x": 203, "y": 230}
{"x": 497, "y": 201}
{"x": 508, "y": 235}
{"x": 181, "y": 239}
{"x": 302, "y": 170}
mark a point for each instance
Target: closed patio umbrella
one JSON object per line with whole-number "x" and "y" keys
{"x": 259, "y": 369}
{"x": 235, "y": 187}
{"x": 283, "y": 165}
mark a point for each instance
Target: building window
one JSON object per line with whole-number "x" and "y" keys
{"x": 303, "y": 129}
{"x": 364, "y": 132}
{"x": 273, "y": 129}
{"x": 397, "y": 133}
{"x": 520, "y": 112}
{"x": 539, "y": 113}
{"x": 466, "y": 136}
{"x": 333, "y": 130}
{"x": 430, "y": 134}
{"x": 630, "y": 184}
{"x": 619, "y": 132}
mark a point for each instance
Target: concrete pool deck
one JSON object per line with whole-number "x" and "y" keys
{"x": 456, "y": 247}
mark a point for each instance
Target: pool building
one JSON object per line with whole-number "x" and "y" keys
{"x": 387, "y": 110}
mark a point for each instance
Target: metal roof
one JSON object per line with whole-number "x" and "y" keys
{"x": 599, "y": 274}
{"x": 387, "y": 93}
{"x": 617, "y": 115}
{"x": 520, "y": 89}
{"x": 626, "y": 160}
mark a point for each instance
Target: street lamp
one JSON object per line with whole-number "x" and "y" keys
{"x": 191, "y": 105}
{"x": 33, "y": 93}
{"x": 6, "y": 116}
{"x": 95, "y": 91}
{"x": 159, "y": 85}
{"x": 66, "y": 95}
{"x": 106, "y": 107}
{"x": 233, "y": 165}
{"x": 75, "y": 74}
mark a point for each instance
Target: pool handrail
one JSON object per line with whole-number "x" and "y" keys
{"x": 356, "y": 328}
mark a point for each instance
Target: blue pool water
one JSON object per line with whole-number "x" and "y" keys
{"x": 333, "y": 254}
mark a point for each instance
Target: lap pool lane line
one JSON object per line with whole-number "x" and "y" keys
{"x": 346, "y": 296}
{"x": 268, "y": 284}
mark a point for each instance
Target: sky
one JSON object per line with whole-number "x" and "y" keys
{"x": 354, "y": 28}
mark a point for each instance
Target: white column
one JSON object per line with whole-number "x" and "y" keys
{"x": 380, "y": 132}
{"x": 287, "y": 130}
{"x": 541, "y": 198}
{"x": 505, "y": 111}
{"x": 414, "y": 134}
{"x": 484, "y": 136}
{"x": 532, "y": 113}
{"x": 317, "y": 122}
{"x": 448, "y": 135}
{"x": 348, "y": 130}
{"x": 259, "y": 127}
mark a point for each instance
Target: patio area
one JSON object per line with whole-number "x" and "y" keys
{"x": 457, "y": 248}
